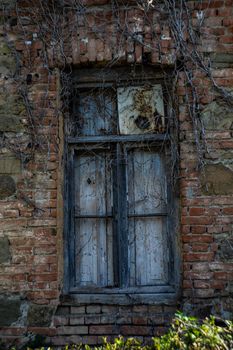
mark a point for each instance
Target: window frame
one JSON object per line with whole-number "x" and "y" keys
{"x": 120, "y": 295}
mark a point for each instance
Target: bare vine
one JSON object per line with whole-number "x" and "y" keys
{"x": 48, "y": 23}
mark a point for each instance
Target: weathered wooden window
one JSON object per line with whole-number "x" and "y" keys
{"x": 119, "y": 199}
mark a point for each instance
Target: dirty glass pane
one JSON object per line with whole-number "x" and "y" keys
{"x": 141, "y": 109}
{"x": 93, "y": 224}
{"x": 95, "y": 112}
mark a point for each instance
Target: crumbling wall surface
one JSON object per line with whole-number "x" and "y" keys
{"x": 37, "y": 42}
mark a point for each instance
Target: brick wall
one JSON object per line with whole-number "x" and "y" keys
{"x": 32, "y": 59}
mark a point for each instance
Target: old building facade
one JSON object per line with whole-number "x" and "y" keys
{"x": 116, "y": 173}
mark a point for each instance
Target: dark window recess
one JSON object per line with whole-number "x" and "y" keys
{"x": 119, "y": 201}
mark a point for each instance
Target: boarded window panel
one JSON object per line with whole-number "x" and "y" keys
{"x": 94, "y": 255}
{"x": 94, "y": 112}
{"x": 93, "y": 197}
{"x": 147, "y": 235}
{"x": 146, "y": 182}
{"x": 148, "y": 260}
{"x": 141, "y": 109}
{"x": 93, "y": 176}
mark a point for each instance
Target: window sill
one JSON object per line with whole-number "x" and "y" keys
{"x": 120, "y": 298}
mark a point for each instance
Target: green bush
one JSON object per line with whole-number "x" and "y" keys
{"x": 185, "y": 333}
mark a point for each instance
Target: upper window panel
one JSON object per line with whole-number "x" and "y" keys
{"x": 95, "y": 112}
{"x": 124, "y": 110}
{"x": 140, "y": 109}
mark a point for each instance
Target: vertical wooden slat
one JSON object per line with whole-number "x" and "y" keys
{"x": 131, "y": 222}
{"x": 122, "y": 229}
{"x": 115, "y": 209}
{"x": 69, "y": 248}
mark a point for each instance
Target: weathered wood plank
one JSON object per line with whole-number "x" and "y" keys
{"x": 115, "y": 138}
{"x": 94, "y": 112}
{"x": 93, "y": 197}
{"x": 146, "y": 195}
{"x": 162, "y": 296}
{"x": 117, "y": 75}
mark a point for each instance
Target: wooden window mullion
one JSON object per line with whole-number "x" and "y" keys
{"x": 122, "y": 232}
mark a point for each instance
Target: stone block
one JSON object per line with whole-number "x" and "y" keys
{"x": 9, "y": 310}
{"x": 9, "y": 165}
{"x": 40, "y": 315}
{"x": 221, "y": 60}
{"x": 7, "y": 60}
{"x": 11, "y": 109}
{"x": 217, "y": 116}
{"x": 8, "y": 4}
{"x": 10, "y": 123}
{"x": 5, "y": 255}
{"x": 217, "y": 179}
{"x": 225, "y": 251}
{"x": 7, "y": 186}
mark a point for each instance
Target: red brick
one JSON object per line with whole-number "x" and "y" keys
{"x": 220, "y": 275}
{"x": 45, "y": 277}
{"x": 139, "y": 320}
{"x": 140, "y": 308}
{"x": 198, "y": 229}
{"x": 77, "y": 309}
{"x": 196, "y": 211}
{"x": 228, "y": 21}
{"x": 44, "y": 294}
{"x": 201, "y": 284}
{"x": 93, "y": 309}
{"x": 77, "y": 320}
{"x": 198, "y": 256}
{"x": 64, "y": 340}
{"x": 90, "y": 339}
{"x": 104, "y": 329}
{"x": 198, "y": 238}
{"x": 11, "y": 213}
{"x": 92, "y": 319}
{"x": 187, "y": 284}
{"x": 60, "y": 320}
{"x": 8, "y": 331}
{"x": 200, "y": 247}
{"x": 138, "y": 330}
{"x": 227, "y": 39}
{"x": 218, "y": 285}
{"x": 72, "y": 330}
{"x": 109, "y": 308}
{"x": 227, "y": 211}
{"x": 197, "y": 220}
{"x": 216, "y": 3}
{"x": 42, "y": 330}
{"x": 204, "y": 293}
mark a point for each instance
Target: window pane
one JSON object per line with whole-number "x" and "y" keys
{"x": 93, "y": 225}
{"x": 147, "y": 251}
{"x": 93, "y": 188}
{"x": 147, "y": 235}
{"x": 95, "y": 112}
{"x": 94, "y": 256}
{"x": 141, "y": 109}
{"x": 146, "y": 182}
